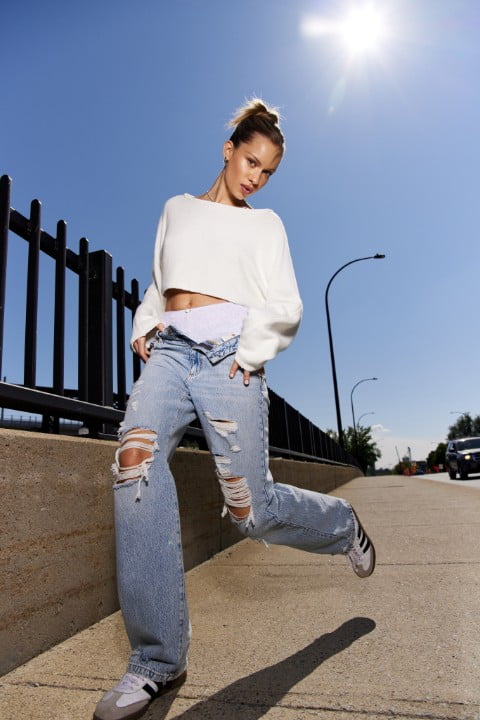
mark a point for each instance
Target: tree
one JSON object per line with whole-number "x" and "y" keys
{"x": 465, "y": 426}
{"x": 436, "y": 457}
{"x": 360, "y": 445}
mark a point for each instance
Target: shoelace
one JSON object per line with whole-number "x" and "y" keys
{"x": 130, "y": 683}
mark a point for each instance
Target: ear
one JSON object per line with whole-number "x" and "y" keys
{"x": 228, "y": 148}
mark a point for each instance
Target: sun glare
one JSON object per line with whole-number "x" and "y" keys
{"x": 362, "y": 31}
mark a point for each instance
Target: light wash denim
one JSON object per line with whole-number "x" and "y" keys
{"x": 182, "y": 380}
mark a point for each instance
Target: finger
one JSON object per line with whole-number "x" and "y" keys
{"x": 137, "y": 348}
{"x": 160, "y": 326}
{"x": 233, "y": 370}
{"x": 246, "y": 377}
{"x": 142, "y": 349}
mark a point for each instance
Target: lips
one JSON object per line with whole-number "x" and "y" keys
{"x": 245, "y": 189}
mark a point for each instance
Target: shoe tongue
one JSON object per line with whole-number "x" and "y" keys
{"x": 131, "y": 683}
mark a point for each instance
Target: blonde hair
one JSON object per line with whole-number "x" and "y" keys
{"x": 256, "y": 117}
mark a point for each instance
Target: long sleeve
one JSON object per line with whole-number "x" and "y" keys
{"x": 150, "y": 310}
{"x": 270, "y": 328}
{"x": 238, "y": 255}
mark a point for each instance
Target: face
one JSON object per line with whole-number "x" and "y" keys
{"x": 250, "y": 165}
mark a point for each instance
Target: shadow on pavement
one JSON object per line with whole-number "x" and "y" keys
{"x": 252, "y": 696}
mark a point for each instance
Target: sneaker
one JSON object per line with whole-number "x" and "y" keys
{"x": 131, "y": 697}
{"x": 362, "y": 555}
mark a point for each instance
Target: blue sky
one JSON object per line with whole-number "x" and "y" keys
{"x": 111, "y": 107}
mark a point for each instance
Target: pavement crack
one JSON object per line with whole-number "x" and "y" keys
{"x": 429, "y": 564}
{"x": 364, "y": 712}
{"x": 53, "y": 686}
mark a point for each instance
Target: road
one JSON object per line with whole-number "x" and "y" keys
{"x": 473, "y": 480}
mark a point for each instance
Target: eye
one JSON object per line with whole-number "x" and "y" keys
{"x": 251, "y": 162}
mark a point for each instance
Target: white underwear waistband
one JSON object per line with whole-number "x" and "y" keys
{"x": 208, "y": 322}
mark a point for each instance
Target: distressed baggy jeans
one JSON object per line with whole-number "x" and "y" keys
{"x": 182, "y": 380}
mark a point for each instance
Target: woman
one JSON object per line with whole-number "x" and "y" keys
{"x": 223, "y": 301}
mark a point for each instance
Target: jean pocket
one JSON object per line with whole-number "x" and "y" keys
{"x": 159, "y": 337}
{"x": 154, "y": 343}
{"x": 162, "y": 333}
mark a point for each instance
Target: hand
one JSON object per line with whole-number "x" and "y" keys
{"x": 140, "y": 344}
{"x": 246, "y": 373}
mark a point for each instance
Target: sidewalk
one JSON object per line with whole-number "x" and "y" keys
{"x": 286, "y": 635}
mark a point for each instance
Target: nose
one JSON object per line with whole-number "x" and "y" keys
{"x": 255, "y": 175}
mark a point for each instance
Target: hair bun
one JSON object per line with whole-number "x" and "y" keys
{"x": 256, "y": 117}
{"x": 254, "y": 107}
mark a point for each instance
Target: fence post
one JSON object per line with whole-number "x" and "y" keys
{"x": 49, "y": 422}
{"x": 83, "y": 280}
{"x": 59, "y": 311}
{"x": 121, "y": 369}
{"x": 100, "y": 353}
{"x": 135, "y": 301}
{"x": 31, "y": 315}
{"x": 5, "y": 183}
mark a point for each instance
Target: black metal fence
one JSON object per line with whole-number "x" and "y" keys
{"x": 104, "y": 308}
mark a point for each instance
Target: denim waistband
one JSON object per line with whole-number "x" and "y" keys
{"x": 215, "y": 349}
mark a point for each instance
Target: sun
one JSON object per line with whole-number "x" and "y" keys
{"x": 363, "y": 30}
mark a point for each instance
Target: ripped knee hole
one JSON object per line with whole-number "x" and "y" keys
{"x": 238, "y": 498}
{"x": 135, "y": 455}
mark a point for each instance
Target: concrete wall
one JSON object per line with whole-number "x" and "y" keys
{"x": 57, "y": 564}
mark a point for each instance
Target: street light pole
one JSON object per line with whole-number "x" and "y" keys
{"x": 377, "y": 256}
{"x": 353, "y": 412}
{"x": 363, "y": 415}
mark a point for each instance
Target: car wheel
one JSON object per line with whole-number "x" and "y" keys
{"x": 452, "y": 473}
{"x": 463, "y": 474}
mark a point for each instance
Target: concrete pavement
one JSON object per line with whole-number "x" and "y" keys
{"x": 473, "y": 481}
{"x": 286, "y": 635}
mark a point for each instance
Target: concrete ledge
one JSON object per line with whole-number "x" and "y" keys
{"x": 57, "y": 560}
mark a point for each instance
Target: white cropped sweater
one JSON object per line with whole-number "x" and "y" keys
{"x": 238, "y": 254}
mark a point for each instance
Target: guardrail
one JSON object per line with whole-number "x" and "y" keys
{"x": 103, "y": 305}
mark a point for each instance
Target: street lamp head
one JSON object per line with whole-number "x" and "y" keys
{"x": 378, "y": 256}
{"x": 362, "y": 416}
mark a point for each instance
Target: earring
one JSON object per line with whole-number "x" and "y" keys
{"x": 225, "y": 160}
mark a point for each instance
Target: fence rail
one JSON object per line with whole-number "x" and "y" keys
{"x": 102, "y": 307}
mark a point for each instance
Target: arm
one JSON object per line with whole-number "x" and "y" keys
{"x": 269, "y": 329}
{"x": 149, "y": 313}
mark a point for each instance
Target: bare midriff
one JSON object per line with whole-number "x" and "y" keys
{"x": 183, "y": 300}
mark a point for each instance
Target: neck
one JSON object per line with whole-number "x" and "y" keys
{"x": 219, "y": 193}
